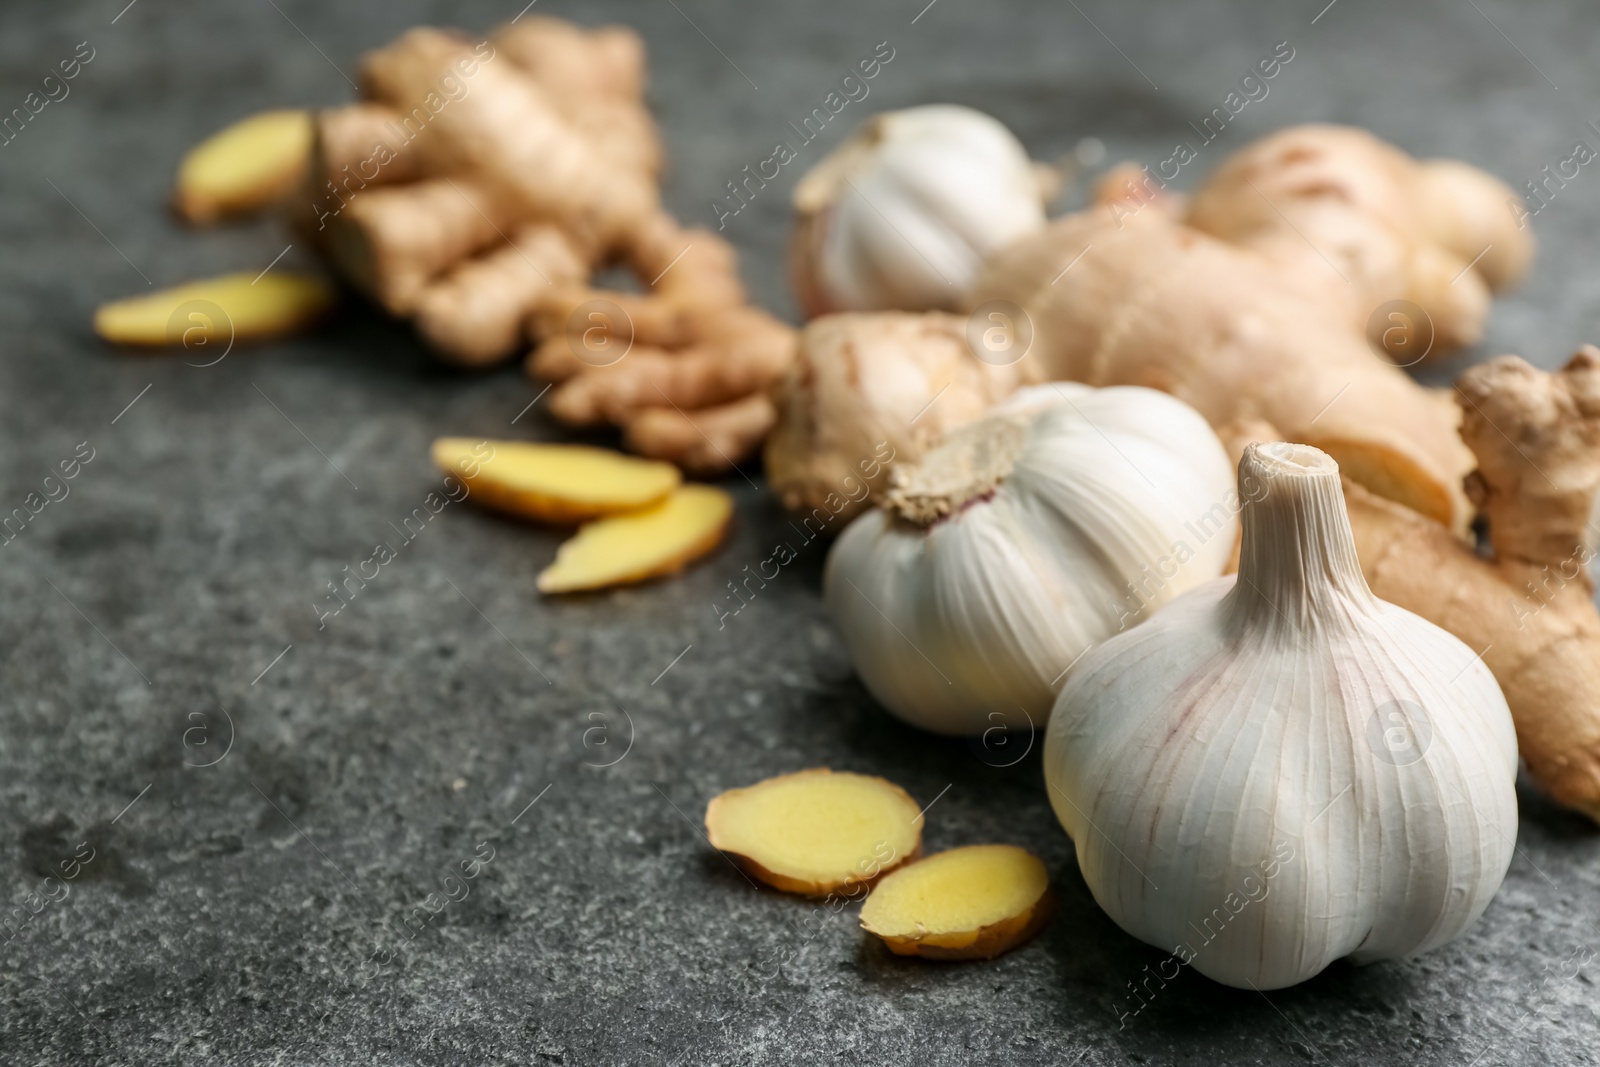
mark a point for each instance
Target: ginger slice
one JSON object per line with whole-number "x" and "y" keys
{"x": 217, "y": 311}
{"x": 249, "y": 165}
{"x": 555, "y": 483}
{"x": 969, "y": 903}
{"x": 659, "y": 540}
{"x": 816, "y": 831}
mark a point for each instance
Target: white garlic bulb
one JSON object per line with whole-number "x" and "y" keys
{"x": 1022, "y": 539}
{"x": 902, "y": 215}
{"x": 1277, "y": 772}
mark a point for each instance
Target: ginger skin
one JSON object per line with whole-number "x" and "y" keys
{"x": 1337, "y": 206}
{"x": 483, "y": 217}
{"x": 1252, "y": 299}
{"x": 684, "y": 371}
{"x": 867, "y": 388}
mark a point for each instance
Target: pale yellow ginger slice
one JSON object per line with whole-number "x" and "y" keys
{"x": 655, "y": 541}
{"x": 816, "y": 832}
{"x": 215, "y": 312}
{"x": 555, "y": 483}
{"x": 964, "y": 904}
{"x": 253, "y": 163}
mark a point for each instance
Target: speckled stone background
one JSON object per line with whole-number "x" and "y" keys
{"x": 161, "y": 616}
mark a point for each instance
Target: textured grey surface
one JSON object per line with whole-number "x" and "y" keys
{"x": 226, "y": 915}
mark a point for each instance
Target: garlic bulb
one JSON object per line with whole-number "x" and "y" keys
{"x": 902, "y": 215}
{"x": 1019, "y": 541}
{"x": 1279, "y": 772}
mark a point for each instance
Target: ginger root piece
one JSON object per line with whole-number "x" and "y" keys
{"x": 1336, "y": 206}
{"x": 596, "y": 79}
{"x": 234, "y": 307}
{"x": 474, "y": 314}
{"x": 717, "y": 371}
{"x": 1235, "y": 335}
{"x": 683, "y": 368}
{"x": 636, "y": 546}
{"x": 483, "y": 216}
{"x": 870, "y": 388}
{"x": 818, "y": 831}
{"x": 707, "y": 440}
{"x": 434, "y": 181}
{"x": 505, "y": 134}
{"x": 247, "y": 166}
{"x": 476, "y": 190}
{"x": 1251, "y": 299}
{"x": 969, "y": 903}
{"x": 555, "y": 483}
{"x": 1529, "y": 610}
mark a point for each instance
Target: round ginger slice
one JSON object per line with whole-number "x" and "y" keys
{"x": 637, "y": 546}
{"x": 969, "y": 903}
{"x": 816, "y": 831}
{"x": 247, "y": 166}
{"x": 555, "y": 483}
{"x": 207, "y": 316}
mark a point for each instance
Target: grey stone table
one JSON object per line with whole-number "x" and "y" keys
{"x": 267, "y": 798}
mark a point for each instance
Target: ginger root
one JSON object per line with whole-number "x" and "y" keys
{"x": 1252, "y": 299}
{"x": 1528, "y": 610}
{"x": 555, "y": 483}
{"x": 870, "y": 388}
{"x": 969, "y": 903}
{"x": 816, "y": 832}
{"x": 476, "y": 190}
{"x": 683, "y": 369}
{"x": 218, "y": 311}
{"x": 635, "y": 546}
{"x": 434, "y": 180}
{"x": 1341, "y": 209}
{"x": 247, "y": 166}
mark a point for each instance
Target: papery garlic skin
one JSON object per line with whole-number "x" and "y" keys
{"x": 902, "y": 215}
{"x": 1020, "y": 541}
{"x": 1277, "y": 715}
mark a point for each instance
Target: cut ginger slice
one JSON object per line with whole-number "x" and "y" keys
{"x": 214, "y": 313}
{"x": 247, "y": 166}
{"x": 658, "y": 540}
{"x": 556, "y": 483}
{"x": 814, "y": 832}
{"x": 965, "y": 904}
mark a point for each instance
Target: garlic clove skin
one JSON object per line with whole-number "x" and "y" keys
{"x": 1016, "y": 543}
{"x": 1279, "y": 771}
{"x": 903, "y": 214}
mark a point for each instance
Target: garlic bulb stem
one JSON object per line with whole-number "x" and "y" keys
{"x": 1297, "y": 562}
